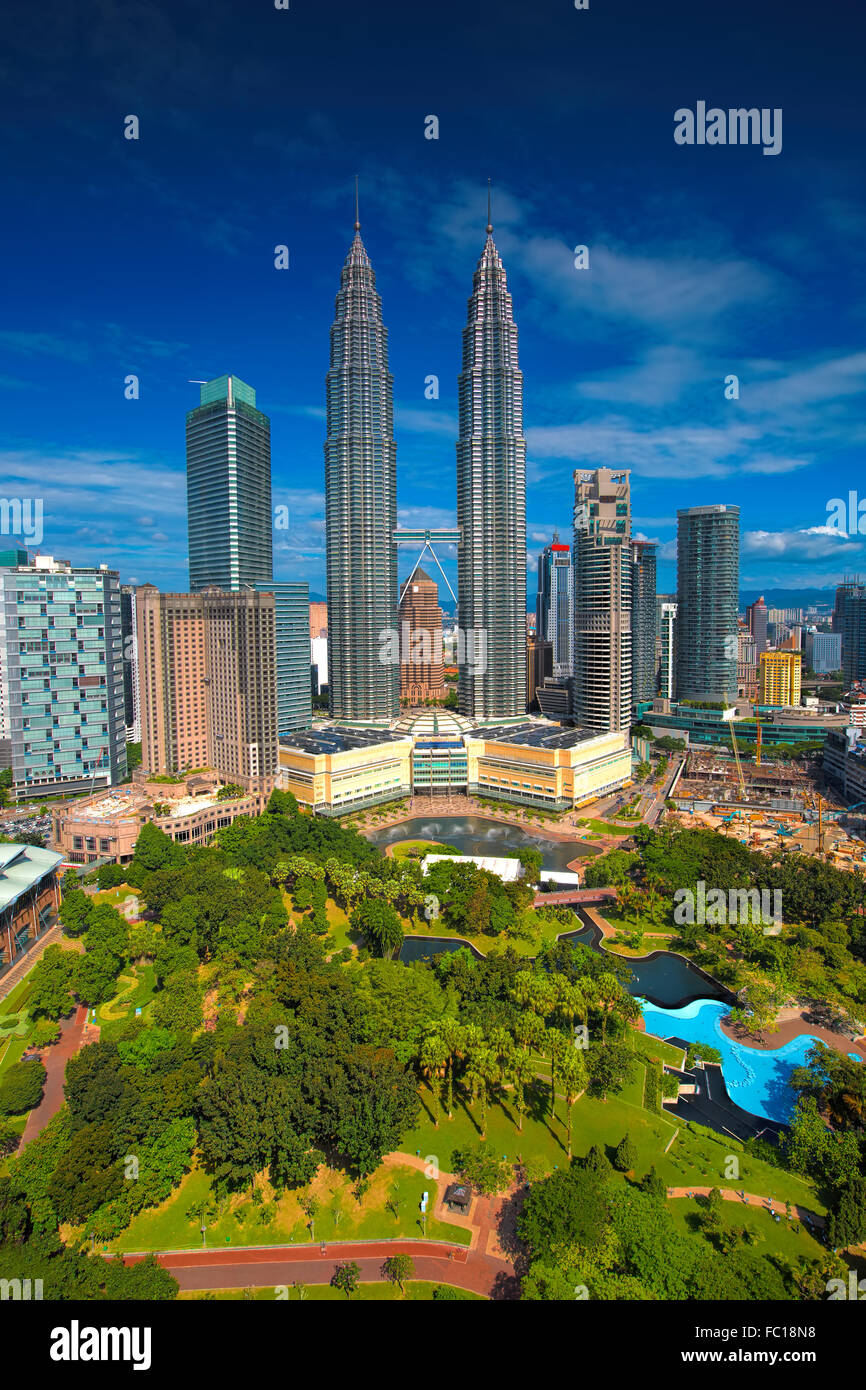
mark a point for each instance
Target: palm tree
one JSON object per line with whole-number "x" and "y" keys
{"x": 451, "y": 1034}
{"x": 481, "y": 1073}
{"x": 572, "y": 1074}
{"x": 434, "y": 1060}
{"x": 501, "y": 1044}
{"x": 609, "y": 992}
{"x": 520, "y": 1073}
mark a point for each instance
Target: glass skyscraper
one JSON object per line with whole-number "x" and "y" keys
{"x": 708, "y": 576}
{"x": 554, "y": 607}
{"x": 62, "y": 676}
{"x": 491, "y": 501}
{"x": 294, "y": 691}
{"x": 228, "y": 483}
{"x": 643, "y": 621}
{"x": 602, "y": 690}
{"x": 360, "y": 501}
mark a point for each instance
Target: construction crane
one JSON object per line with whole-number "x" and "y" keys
{"x": 757, "y": 737}
{"x": 737, "y": 761}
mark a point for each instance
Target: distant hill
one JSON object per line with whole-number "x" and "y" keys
{"x": 789, "y": 598}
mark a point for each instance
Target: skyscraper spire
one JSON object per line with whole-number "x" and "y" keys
{"x": 357, "y": 221}
{"x": 489, "y": 219}
{"x": 491, "y": 500}
{"x": 360, "y": 499}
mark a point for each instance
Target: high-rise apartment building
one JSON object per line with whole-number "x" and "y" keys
{"x": 208, "y": 683}
{"x": 61, "y": 663}
{"x": 292, "y": 618}
{"x": 228, "y": 482}
{"x": 172, "y": 665}
{"x": 241, "y": 650}
{"x": 360, "y": 500}
{"x": 420, "y": 621}
{"x": 491, "y": 499}
{"x": 667, "y": 645}
{"x": 643, "y": 621}
{"x": 757, "y": 616}
{"x": 554, "y": 605}
{"x": 708, "y": 559}
{"x": 602, "y": 691}
{"x": 130, "y": 663}
{"x": 779, "y": 678}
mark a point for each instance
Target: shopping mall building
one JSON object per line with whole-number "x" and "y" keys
{"x": 337, "y": 768}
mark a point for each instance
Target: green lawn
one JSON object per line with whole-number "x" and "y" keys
{"x": 775, "y": 1238}
{"x": 604, "y": 827}
{"x": 403, "y": 849}
{"x": 115, "y": 896}
{"x": 694, "y": 1157}
{"x": 340, "y": 1216}
{"x": 415, "y": 1291}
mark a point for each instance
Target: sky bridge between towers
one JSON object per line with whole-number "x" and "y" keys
{"x": 425, "y": 537}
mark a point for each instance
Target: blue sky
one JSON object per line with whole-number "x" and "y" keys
{"x": 155, "y": 257}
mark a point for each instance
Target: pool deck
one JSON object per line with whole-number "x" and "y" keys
{"x": 792, "y": 1026}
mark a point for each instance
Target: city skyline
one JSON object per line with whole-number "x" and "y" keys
{"x": 709, "y": 263}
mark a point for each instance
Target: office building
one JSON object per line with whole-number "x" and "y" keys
{"x": 708, "y": 545}
{"x": 491, "y": 499}
{"x": 420, "y": 623}
{"x": 539, "y": 666}
{"x": 360, "y": 500}
{"x": 643, "y": 621}
{"x": 554, "y": 605}
{"x": 602, "y": 693}
{"x": 756, "y": 616}
{"x": 851, "y": 620}
{"x": 318, "y": 619}
{"x": 824, "y": 651}
{"x": 292, "y": 618}
{"x": 228, "y": 482}
{"x": 130, "y": 663}
{"x": 61, "y": 666}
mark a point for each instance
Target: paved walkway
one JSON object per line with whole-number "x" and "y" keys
{"x": 793, "y": 1028}
{"x": 283, "y": 1265}
{"x": 750, "y": 1199}
{"x": 54, "y": 1059}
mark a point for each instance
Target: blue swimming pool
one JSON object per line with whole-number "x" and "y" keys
{"x": 756, "y": 1080}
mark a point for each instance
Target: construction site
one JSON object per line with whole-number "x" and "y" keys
{"x": 774, "y": 806}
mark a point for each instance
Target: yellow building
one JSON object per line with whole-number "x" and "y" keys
{"x": 548, "y": 766}
{"x": 779, "y": 678}
{"x": 335, "y": 770}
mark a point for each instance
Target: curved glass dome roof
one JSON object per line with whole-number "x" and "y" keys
{"x": 433, "y": 723}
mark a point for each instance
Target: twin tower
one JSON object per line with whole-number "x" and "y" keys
{"x": 361, "y": 501}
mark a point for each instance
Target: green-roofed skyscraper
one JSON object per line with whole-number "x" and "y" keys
{"x": 228, "y": 481}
